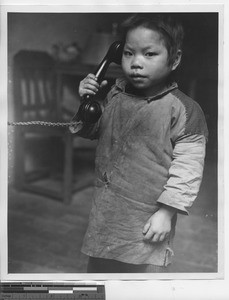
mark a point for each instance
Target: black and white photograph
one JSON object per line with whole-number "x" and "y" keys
{"x": 113, "y": 143}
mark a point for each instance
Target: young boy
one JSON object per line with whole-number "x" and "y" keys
{"x": 150, "y": 153}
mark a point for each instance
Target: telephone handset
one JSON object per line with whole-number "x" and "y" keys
{"x": 90, "y": 110}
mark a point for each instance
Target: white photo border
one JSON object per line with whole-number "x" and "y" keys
{"x": 178, "y": 285}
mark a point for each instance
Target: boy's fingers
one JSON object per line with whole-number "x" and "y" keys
{"x": 156, "y": 238}
{"x": 152, "y": 236}
{"x": 162, "y": 237}
{"x": 90, "y": 86}
{"x": 103, "y": 83}
{"x": 88, "y": 92}
{"x": 149, "y": 234}
{"x": 90, "y": 75}
{"x": 146, "y": 228}
{"x": 91, "y": 82}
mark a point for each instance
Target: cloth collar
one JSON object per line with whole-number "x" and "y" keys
{"x": 122, "y": 82}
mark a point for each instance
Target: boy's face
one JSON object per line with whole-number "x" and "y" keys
{"x": 145, "y": 60}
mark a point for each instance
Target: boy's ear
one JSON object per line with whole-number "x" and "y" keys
{"x": 177, "y": 60}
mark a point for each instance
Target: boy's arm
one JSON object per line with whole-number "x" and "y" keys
{"x": 185, "y": 173}
{"x": 189, "y": 134}
{"x": 181, "y": 189}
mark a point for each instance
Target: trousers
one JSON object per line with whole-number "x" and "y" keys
{"x": 102, "y": 265}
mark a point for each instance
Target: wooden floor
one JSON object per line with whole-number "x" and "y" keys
{"x": 45, "y": 236}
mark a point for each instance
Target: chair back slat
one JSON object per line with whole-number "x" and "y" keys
{"x": 34, "y": 80}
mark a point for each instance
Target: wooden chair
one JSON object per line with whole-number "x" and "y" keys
{"x": 35, "y": 90}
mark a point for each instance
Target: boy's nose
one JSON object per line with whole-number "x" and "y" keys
{"x": 136, "y": 63}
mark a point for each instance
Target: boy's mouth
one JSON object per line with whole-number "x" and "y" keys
{"x": 137, "y": 76}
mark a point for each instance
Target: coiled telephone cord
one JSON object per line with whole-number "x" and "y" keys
{"x": 43, "y": 123}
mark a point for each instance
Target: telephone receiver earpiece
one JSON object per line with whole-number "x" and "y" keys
{"x": 90, "y": 110}
{"x": 114, "y": 54}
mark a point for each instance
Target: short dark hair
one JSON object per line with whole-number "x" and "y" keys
{"x": 170, "y": 29}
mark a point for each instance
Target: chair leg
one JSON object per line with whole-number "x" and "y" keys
{"x": 19, "y": 179}
{"x": 68, "y": 169}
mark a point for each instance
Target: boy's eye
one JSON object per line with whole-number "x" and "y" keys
{"x": 150, "y": 54}
{"x": 127, "y": 53}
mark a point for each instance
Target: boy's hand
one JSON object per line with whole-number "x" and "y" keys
{"x": 90, "y": 86}
{"x": 158, "y": 227}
